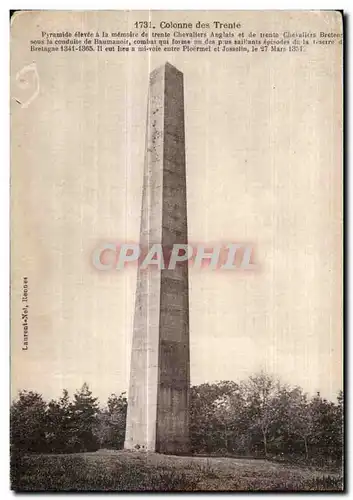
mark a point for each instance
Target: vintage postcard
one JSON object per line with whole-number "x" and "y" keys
{"x": 176, "y": 251}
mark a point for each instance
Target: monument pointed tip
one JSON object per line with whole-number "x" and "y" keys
{"x": 171, "y": 66}
{"x": 167, "y": 66}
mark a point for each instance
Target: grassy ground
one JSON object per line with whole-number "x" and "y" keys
{"x": 107, "y": 470}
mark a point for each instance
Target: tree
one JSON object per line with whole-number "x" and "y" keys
{"x": 262, "y": 397}
{"x": 339, "y": 420}
{"x": 227, "y": 408}
{"x": 211, "y": 417}
{"x": 110, "y": 428}
{"x": 84, "y": 417}
{"x": 326, "y": 434}
{"x": 300, "y": 417}
{"x": 28, "y": 423}
{"x": 60, "y": 423}
{"x": 201, "y": 417}
{"x": 259, "y": 414}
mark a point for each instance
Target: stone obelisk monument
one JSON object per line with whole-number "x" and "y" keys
{"x": 157, "y": 417}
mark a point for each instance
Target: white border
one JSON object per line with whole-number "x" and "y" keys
{"x": 5, "y": 171}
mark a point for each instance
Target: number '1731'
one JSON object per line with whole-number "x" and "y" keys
{"x": 143, "y": 24}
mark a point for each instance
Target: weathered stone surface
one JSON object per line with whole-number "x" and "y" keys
{"x": 158, "y": 416}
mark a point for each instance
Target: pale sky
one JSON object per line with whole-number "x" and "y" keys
{"x": 264, "y": 165}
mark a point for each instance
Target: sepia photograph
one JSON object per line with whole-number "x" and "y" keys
{"x": 176, "y": 251}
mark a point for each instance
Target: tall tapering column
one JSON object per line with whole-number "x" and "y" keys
{"x": 158, "y": 402}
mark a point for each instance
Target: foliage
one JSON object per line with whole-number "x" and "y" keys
{"x": 110, "y": 428}
{"x": 84, "y": 416}
{"x": 28, "y": 422}
{"x": 263, "y": 418}
{"x": 259, "y": 417}
{"x": 65, "y": 425}
{"x": 60, "y": 430}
